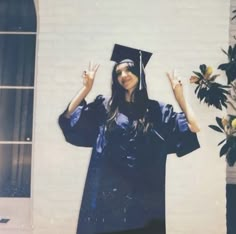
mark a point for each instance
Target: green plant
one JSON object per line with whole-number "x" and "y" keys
{"x": 227, "y": 125}
{"x": 230, "y": 67}
{"x": 207, "y": 89}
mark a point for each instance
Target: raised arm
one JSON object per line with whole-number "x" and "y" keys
{"x": 88, "y": 80}
{"x": 177, "y": 88}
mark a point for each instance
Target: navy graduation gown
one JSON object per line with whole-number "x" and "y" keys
{"x": 125, "y": 186}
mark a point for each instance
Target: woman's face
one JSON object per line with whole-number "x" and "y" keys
{"x": 126, "y": 78}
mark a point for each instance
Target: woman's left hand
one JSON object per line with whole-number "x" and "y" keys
{"x": 177, "y": 88}
{"x": 176, "y": 85}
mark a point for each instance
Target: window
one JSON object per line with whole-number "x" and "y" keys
{"x": 17, "y": 65}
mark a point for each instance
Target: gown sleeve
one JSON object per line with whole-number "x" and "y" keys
{"x": 82, "y": 128}
{"x": 180, "y": 139}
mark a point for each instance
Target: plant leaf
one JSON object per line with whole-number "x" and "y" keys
{"x": 223, "y": 66}
{"x": 195, "y": 91}
{"x": 214, "y": 127}
{"x": 233, "y": 17}
{"x": 224, "y": 104}
{"x": 231, "y": 74}
{"x": 230, "y": 50}
{"x": 199, "y": 74}
{"x": 222, "y": 142}
{"x": 233, "y": 52}
{"x": 203, "y": 68}
{"x": 224, "y": 52}
{"x": 231, "y": 156}
{"x": 219, "y": 121}
{"x": 224, "y": 149}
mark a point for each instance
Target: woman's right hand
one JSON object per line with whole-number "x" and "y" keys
{"x": 88, "y": 79}
{"x": 89, "y": 75}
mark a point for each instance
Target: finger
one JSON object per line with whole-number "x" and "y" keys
{"x": 174, "y": 72}
{"x": 168, "y": 75}
{"x": 175, "y": 75}
{"x": 84, "y": 73}
{"x": 91, "y": 66}
{"x": 96, "y": 66}
{"x": 84, "y": 76}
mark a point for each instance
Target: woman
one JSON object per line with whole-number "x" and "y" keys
{"x": 131, "y": 136}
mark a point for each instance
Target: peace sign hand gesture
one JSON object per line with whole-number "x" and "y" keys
{"x": 177, "y": 88}
{"x": 89, "y": 75}
{"x": 176, "y": 85}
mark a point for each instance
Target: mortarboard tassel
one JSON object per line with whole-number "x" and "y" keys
{"x": 142, "y": 83}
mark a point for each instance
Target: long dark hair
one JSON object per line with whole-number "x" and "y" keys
{"x": 139, "y": 98}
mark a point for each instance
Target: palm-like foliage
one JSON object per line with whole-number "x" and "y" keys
{"x": 216, "y": 95}
{"x": 207, "y": 89}
{"x": 228, "y": 127}
{"x": 230, "y": 67}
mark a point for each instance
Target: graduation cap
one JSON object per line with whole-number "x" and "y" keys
{"x": 121, "y": 53}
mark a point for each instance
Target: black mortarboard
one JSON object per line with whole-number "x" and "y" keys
{"x": 121, "y": 52}
{"x": 140, "y": 57}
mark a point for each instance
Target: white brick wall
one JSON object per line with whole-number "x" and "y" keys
{"x": 182, "y": 34}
